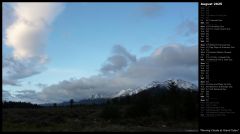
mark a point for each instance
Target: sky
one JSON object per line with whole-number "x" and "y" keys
{"x": 54, "y": 52}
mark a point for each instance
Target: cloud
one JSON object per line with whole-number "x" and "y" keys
{"x": 166, "y": 62}
{"x": 115, "y": 63}
{"x": 27, "y": 35}
{"x": 172, "y": 61}
{"x": 23, "y": 96}
{"x": 151, "y": 10}
{"x": 6, "y": 96}
{"x": 83, "y": 88}
{"x": 28, "y": 96}
{"x": 118, "y": 49}
{"x": 10, "y": 82}
{"x": 187, "y": 28}
{"x": 118, "y": 61}
{"x": 41, "y": 85}
{"x": 14, "y": 70}
{"x": 145, "y": 48}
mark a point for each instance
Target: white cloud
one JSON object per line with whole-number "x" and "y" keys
{"x": 27, "y": 35}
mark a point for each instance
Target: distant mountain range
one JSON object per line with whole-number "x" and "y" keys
{"x": 100, "y": 99}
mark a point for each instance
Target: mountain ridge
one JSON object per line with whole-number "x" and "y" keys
{"x": 100, "y": 98}
{"x": 182, "y": 84}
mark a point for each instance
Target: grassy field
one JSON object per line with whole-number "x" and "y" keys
{"x": 84, "y": 118}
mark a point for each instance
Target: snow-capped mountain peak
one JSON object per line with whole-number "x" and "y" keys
{"x": 180, "y": 83}
{"x": 126, "y": 92}
{"x": 96, "y": 96}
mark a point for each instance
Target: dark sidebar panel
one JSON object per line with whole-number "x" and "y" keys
{"x": 219, "y": 67}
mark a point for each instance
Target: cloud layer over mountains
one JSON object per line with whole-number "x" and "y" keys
{"x": 171, "y": 61}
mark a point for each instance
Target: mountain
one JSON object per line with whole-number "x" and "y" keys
{"x": 97, "y": 101}
{"x": 128, "y": 91}
{"x": 100, "y": 99}
{"x": 97, "y": 96}
{"x": 180, "y": 84}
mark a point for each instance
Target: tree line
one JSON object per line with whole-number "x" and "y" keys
{"x": 13, "y": 104}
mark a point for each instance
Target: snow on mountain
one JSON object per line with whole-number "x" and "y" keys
{"x": 96, "y": 96}
{"x": 180, "y": 83}
{"x": 126, "y": 92}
